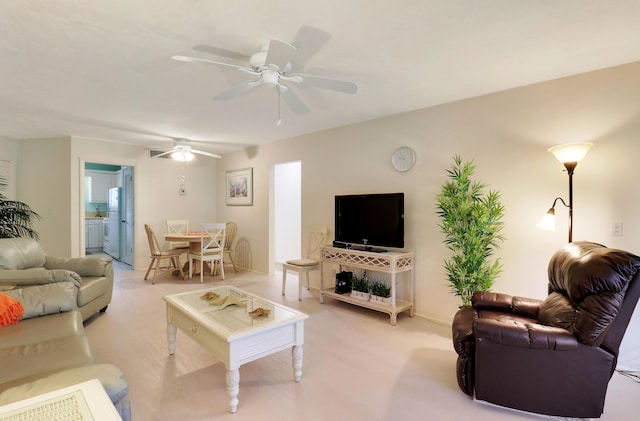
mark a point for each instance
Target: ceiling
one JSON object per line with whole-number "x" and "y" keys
{"x": 103, "y": 70}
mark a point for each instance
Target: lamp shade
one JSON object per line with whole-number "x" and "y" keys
{"x": 548, "y": 221}
{"x": 571, "y": 152}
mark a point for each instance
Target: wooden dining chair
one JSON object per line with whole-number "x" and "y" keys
{"x": 178, "y": 226}
{"x": 232, "y": 228}
{"x": 305, "y": 265}
{"x": 158, "y": 256}
{"x": 212, "y": 238}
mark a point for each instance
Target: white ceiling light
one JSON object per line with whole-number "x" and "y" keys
{"x": 182, "y": 152}
{"x": 182, "y": 155}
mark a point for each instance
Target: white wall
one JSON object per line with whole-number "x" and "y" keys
{"x": 9, "y": 163}
{"x": 287, "y": 212}
{"x": 45, "y": 184}
{"x": 50, "y": 181}
{"x": 507, "y": 135}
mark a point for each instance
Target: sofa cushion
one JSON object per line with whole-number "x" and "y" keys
{"x": 83, "y": 266}
{"x": 556, "y": 310}
{"x": 92, "y": 287}
{"x": 593, "y": 280}
{"x": 20, "y": 253}
{"x": 42, "y": 329}
{"x": 11, "y": 310}
{"x": 24, "y": 363}
{"x": 40, "y": 300}
{"x": 38, "y": 276}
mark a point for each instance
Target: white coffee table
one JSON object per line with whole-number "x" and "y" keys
{"x": 232, "y": 334}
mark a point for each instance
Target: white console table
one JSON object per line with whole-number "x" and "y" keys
{"x": 386, "y": 262}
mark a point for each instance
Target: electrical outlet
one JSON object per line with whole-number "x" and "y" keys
{"x": 616, "y": 229}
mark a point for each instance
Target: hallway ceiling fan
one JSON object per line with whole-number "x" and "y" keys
{"x": 182, "y": 151}
{"x": 271, "y": 67}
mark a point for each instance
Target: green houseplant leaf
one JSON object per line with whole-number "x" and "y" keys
{"x": 472, "y": 223}
{"x": 16, "y": 218}
{"x": 360, "y": 283}
{"x": 380, "y": 289}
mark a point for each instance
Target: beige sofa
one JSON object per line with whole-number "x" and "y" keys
{"x": 48, "y": 349}
{"x": 23, "y": 262}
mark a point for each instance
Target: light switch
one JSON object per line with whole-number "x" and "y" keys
{"x": 616, "y": 229}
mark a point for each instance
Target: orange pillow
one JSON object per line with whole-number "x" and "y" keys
{"x": 11, "y": 310}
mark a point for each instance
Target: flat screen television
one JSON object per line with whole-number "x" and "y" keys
{"x": 369, "y": 220}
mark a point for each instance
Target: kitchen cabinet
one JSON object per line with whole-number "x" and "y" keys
{"x": 99, "y": 183}
{"x": 117, "y": 178}
{"x": 93, "y": 233}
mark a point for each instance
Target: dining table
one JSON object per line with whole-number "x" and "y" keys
{"x": 194, "y": 240}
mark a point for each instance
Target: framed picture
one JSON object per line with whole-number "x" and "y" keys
{"x": 240, "y": 187}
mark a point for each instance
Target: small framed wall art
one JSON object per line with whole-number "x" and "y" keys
{"x": 240, "y": 187}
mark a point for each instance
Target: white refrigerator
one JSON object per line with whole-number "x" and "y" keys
{"x": 113, "y": 214}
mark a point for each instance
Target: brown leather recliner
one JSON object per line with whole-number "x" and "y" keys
{"x": 556, "y": 356}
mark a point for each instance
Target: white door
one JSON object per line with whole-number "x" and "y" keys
{"x": 126, "y": 231}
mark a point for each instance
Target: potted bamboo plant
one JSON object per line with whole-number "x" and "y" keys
{"x": 360, "y": 287}
{"x": 380, "y": 292}
{"x": 472, "y": 224}
{"x": 16, "y": 218}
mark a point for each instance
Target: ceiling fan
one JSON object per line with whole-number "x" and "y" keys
{"x": 272, "y": 66}
{"x": 182, "y": 151}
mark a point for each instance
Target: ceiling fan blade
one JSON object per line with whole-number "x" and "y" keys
{"x": 293, "y": 100}
{"x": 309, "y": 40}
{"x": 237, "y": 90}
{"x": 212, "y": 155}
{"x": 209, "y": 142}
{"x": 164, "y": 153}
{"x": 249, "y": 71}
{"x": 201, "y": 60}
{"x": 221, "y": 52}
{"x": 279, "y": 53}
{"x": 327, "y": 83}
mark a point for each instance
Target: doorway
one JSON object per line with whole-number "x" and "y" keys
{"x": 287, "y": 198}
{"x": 109, "y": 195}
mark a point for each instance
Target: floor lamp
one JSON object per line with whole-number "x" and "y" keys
{"x": 569, "y": 154}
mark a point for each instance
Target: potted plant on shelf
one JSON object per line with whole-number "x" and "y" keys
{"x": 360, "y": 287}
{"x": 380, "y": 292}
{"x": 472, "y": 224}
{"x": 16, "y": 218}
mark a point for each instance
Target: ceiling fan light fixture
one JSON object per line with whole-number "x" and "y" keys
{"x": 182, "y": 156}
{"x": 270, "y": 78}
{"x": 258, "y": 59}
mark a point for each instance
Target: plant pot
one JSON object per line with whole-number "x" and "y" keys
{"x": 382, "y": 300}
{"x": 361, "y": 295}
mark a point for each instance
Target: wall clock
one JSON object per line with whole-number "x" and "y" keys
{"x": 403, "y": 158}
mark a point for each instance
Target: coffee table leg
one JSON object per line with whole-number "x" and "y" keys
{"x": 296, "y": 354}
{"x": 233, "y": 387}
{"x": 171, "y": 337}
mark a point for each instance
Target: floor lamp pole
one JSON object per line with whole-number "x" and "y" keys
{"x": 570, "y": 166}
